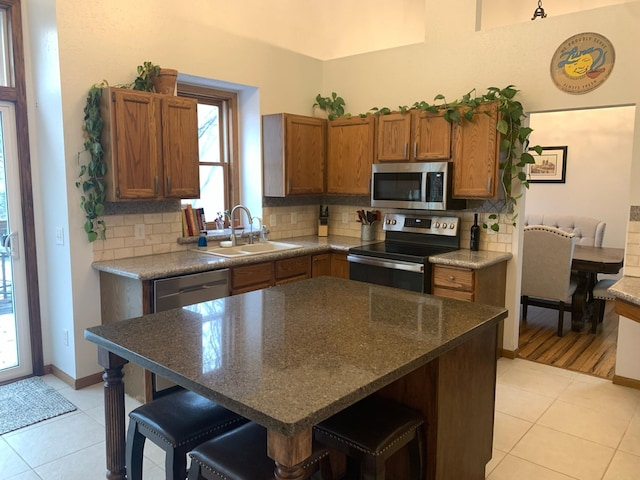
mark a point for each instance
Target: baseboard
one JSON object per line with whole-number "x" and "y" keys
{"x": 511, "y": 354}
{"x": 626, "y": 382}
{"x": 76, "y": 384}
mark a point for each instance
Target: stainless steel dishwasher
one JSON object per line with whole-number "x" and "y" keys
{"x": 177, "y": 292}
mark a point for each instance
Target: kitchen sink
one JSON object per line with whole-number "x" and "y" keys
{"x": 249, "y": 249}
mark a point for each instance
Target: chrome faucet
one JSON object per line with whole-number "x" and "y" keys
{"x": 233, "y": 224}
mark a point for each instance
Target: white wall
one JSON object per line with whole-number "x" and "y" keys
{"x": 599, "y": 148}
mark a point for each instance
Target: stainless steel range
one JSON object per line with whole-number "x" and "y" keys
{"x": 402, "y": 260}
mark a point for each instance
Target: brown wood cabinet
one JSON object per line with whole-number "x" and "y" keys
{"x": 339, "y": 265}
{"x": 485, "y": 285}
{"x": 151, "y": 145}
{"x": 321, "y": 265}
{"x": 350, "y": 144}
{"x": 251, "y": 277}
{"x": 294, "y": 154}
{"x": 292, "y": 269}
{"x": 476, "y": 154}
{"x": 417, "y": 136}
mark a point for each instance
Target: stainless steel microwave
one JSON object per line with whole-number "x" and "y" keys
{"x": 416, "y": 185}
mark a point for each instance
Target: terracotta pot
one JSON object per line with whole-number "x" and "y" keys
{"x": 166, "y": 81}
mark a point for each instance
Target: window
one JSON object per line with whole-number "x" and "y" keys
{"x": 217, "y": 113}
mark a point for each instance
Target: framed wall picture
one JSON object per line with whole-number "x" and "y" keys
{"x": 550, "y": 166}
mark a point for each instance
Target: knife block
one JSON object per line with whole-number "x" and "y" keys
{"x": 323, "y": 230}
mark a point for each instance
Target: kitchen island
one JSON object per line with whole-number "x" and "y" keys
{"x": 290, "y": 356}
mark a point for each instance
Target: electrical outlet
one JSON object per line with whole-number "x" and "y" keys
{"x": 345, "y": 217}
{"x": 139, "y": 232}
{"x": 66, "y": 337}
{"x": 294, "y": 218}
{"x": 59, "y": 236}
{"x": 272, "y": 220}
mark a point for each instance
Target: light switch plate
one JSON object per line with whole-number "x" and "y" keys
{"x": 294, "y": 218}
{"x": 345, "y": 217}
{"x": 272, "y": 220}
{"x": 59, "y": 236}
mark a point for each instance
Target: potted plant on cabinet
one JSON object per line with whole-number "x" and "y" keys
{"x": 333, "y": 106}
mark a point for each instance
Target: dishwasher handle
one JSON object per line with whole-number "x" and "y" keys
{"x": 176, "y": 292}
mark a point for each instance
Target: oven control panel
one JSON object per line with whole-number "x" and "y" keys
{"x": 433, "y": 225}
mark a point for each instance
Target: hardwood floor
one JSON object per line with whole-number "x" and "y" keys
{"x": 579, "y": 351}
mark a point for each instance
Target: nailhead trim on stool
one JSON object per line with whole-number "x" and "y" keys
{"x": 241, "y": 454}
{"x": 177, "y": 423}
{"x": 372, "y": 430}
{"x": 600, "y": 297}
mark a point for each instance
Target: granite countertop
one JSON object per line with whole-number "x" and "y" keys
{"x": 151, "y": 267}
{"x": 627, "y": 288}
{"x": 465, "y": 258}
{"x": 163, "y": 265}
{"x": 280, "y": 356}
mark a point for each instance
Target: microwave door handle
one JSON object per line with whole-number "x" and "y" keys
{"x": 425, "y": 186}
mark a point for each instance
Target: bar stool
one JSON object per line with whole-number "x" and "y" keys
{"x": 600, "y": 297}
{"x": 177, "y": 423}
{"x": 371, "y": 431}
{"x": 241, "y": 454}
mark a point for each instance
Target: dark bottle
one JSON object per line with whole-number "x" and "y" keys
{"x": 475, "y": 234}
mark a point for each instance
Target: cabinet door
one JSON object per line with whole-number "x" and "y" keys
{"x": 305, "y": 148}
{"x": 476, "y": 149}
{"x": 135, "y": 145}
{"x": 251, "y": 277}
{"x": 350, "y": 155}
{"x": 431, "y": 137}
{"x": 321, "y": 265}
{"x": 394, "y": 135}
{"x": 180, "y": 147}
{"x": 339, "y": 265}
{"x": 297, "y": 268}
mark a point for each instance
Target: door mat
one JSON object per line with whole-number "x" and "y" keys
{"x": 29, "y": 401}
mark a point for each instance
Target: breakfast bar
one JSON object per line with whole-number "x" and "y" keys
{"x": 290, "y": 356}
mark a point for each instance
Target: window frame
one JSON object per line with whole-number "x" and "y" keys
{"x": 227, "y": 102}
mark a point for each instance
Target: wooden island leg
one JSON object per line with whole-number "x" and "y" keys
{"x": 289, "y": 453}
{"x": 113, "y": 413}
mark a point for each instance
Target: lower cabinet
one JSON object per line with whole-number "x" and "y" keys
{"x": 484, "y": 285}
{"x": 251, "y": 277}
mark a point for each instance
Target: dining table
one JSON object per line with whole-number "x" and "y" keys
{"x": 589, "y": 261}
{"x": 291, "y": 356}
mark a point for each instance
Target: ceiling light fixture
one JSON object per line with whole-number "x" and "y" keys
{"x": 539, "y": 12}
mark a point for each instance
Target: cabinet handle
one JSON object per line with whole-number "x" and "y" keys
{"x": 169, "y": 184}
{"x": 406, "y": 148}
{"x": 415, "y": 150}
{"x": 489, "y": 184}
{"x": 155, "y": 185}
{"x": 451, "y": 278}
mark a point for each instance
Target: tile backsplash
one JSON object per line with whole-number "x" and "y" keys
{"x": 162, "y": 230}
{"x": 632, "y": 250}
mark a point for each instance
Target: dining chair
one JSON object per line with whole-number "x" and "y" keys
{"x": 546, "y": 270}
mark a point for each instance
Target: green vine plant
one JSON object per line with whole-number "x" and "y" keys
{"x": 333, "y": 105}
{"x": 91, "y": 177}
{"x": 92, "y": 173}
{"x": 514, "y": 154}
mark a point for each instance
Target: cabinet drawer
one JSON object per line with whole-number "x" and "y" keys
{"x": 454, "y": 278}
{"x": 293, "y": 267}
{"x": 451, "y": 293}
{"x": 260, "y": 275}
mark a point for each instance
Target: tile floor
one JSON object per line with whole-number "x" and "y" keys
{"x": 550, "y": 424}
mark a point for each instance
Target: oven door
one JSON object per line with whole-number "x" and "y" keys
{"x": 391, "y": 273}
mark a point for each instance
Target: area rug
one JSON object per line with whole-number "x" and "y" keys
{"x": 29, "y": 401}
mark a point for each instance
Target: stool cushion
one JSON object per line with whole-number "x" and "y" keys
{"x": 184, "y": 416}
{"x": 371, "y": 426}
{"x": 240, "y": 454}
{"x": 600, "y": 291}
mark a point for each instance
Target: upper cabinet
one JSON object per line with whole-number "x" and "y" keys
{"x": 350, "y": 155}
{"x": 293, "y": 153}
{"x": 417, "y": 136}
{"x": 476, "y": 154}
{"x": 151, "y": 145}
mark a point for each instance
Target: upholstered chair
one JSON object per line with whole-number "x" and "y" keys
{"x": 546, "y": 270}
{"x": 588, "y": 231}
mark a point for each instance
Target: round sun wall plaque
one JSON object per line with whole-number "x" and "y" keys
{"x": 582, "y": 62}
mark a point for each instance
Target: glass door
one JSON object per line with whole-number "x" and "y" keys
{"x": 15, "y": 353}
